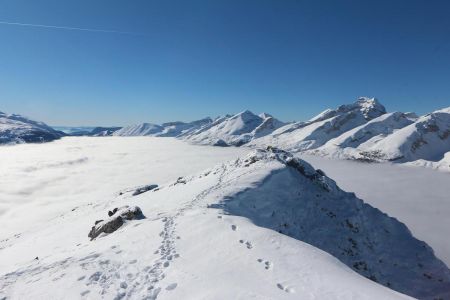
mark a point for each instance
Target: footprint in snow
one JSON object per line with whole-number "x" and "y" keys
{"x": 234, "y": 227}
{"x": 249, "y": 245}
{"x": 285, "y": 288}
{"x": 267, "y": 264}
{"x": 84, "y": 293}
{"x": 133, "y": 261}
{"x": 171, "y": 287}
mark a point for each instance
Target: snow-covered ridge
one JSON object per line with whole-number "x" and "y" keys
{"x": 299, "y": 201}
{"x": 234, "y": 130}
{"x": 329, "y": 124}
{"x": 16, "y": 129}
{"x": 169, "y": 129}
{"x": 165, "y": 255}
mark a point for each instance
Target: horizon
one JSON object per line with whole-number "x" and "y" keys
{"x": 79, "y": 64}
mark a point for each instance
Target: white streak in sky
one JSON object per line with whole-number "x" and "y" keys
{"x": 69, "y": 28}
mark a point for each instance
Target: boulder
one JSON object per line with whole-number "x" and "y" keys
{"x": 117, "y": 217}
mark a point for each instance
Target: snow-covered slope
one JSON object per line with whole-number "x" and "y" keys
{"x": 443, "y": 164}
{"x": 325, "y": 126}
{"x": 139, "y": 130}
{"x": 16, "y": 129}
{"x": 224, "y": 234}
{"x": 234, "y": 130}
{"x": 428, "y": 138}
{"x": 103, "y": 131}
{"x": 347, "y": 144}
{"x": 170, "y": 129}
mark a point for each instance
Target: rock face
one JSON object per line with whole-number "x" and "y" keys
{"x": 117, "y": 217}
{"x": 16, "y": 129}
{"x": 301, "y": 202}
{"x": 234, "y": 130}
{"x": 327, "y": 125}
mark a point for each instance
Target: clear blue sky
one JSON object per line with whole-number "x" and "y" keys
{"x": 191, "y": 59}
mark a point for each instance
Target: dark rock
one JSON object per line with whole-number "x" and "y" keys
{"x": 144, "y": 189}
{"x": 111, "y": 213}
{"x": 116, "y": 220}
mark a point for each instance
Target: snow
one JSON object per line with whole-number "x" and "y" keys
{"x": 416, "y": 196}
{"x": 195, "y": 242}
{"x": 349, "y": 144}
{"x": 234, "y": 130}
{"x": 187, "y": 246}
{"x": 16, "y": 129}
{"x": 427, "y": 138}
{"x": 48, "y": 178}
{"x": 170, "y": 129}
{"x": 139, "y": 130}
{"x": 327, "y": 125}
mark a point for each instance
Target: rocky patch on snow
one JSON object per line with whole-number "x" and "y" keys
{"x": 116, "y": 218}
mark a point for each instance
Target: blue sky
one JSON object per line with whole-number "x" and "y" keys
{"x": 190, "y": 59}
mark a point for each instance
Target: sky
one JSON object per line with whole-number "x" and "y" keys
{"x": 156, "y": 61}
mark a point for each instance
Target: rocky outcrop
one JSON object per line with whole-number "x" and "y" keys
{"x": 117, "y": 217}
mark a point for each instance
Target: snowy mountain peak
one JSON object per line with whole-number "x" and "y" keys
{"x": 265, "y": 115}
{"x": 369, "y": 107}
{"x": 234, "y": 130}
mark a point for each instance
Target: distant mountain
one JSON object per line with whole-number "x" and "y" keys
{"x": 350, "y": 142}
{"x": 74, "y": 130}
{"x": 16, "y": 129}
{"x": 170, "y": 129}
{"x": 427, "y": 138}
{"x": 234, "y": 130}
{"x": 103, "y": 131}
{"x": 301, "y": 136}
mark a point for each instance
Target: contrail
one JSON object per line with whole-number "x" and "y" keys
{"x": 70, "y": 28}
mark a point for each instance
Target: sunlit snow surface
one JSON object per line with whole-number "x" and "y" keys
{"x": 50, "y": 195}
{"x": 40, "y": 181}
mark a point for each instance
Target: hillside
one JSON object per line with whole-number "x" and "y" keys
{"x": 16, "y": 129}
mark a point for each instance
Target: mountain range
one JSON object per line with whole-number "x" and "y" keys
{"x": 362, "y": 130}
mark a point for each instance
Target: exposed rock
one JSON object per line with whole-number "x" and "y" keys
{"x": 144, "y": 189}
{"x": 117, "y": 217}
